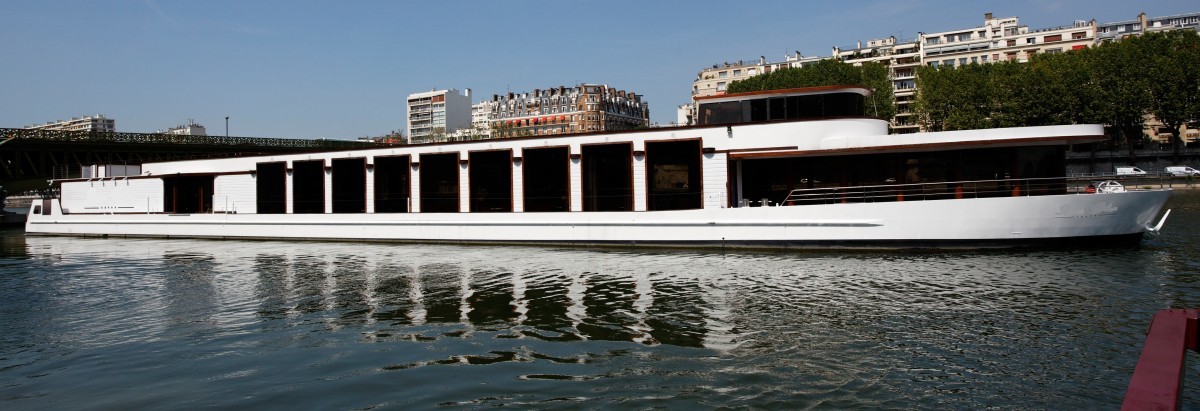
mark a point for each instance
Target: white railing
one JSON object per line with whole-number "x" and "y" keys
{"x": 950, "y": 190}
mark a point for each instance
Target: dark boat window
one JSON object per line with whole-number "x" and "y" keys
{"x": 608, "y": 177}
{"x": 793, "y": 107}
{"x": 776, "y": 108}
{"x": 546, "y": 176}
{"x": 439, "y": 183}
{"x": 758, "y": 110}
{"x": 349, "y": 182}
{"x": 813, "y": 106}
{"x": 974, "y": 173}
{"x": 765, "y": 108}
{"x": 491, "y": 181}
{"x": 270, "y": 181}
{"x": 308, "y": 187}
{"x": 673, "y": 175}
{"x": 392, "y": 184}
{"x": 721, "y": 113}
{"x": 188, "y": 194}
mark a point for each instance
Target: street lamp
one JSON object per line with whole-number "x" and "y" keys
{"x": 226, "y": 126}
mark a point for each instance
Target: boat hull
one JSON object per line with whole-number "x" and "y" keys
{"x": 1110, "y": 218}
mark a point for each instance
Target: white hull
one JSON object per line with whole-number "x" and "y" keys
{"x": 983, "y": 222}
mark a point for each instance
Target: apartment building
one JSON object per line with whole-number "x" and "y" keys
{"x": 434, "y": 115}
{"x": 1143, "y": 24}
{"x": 481, "y": 118}
{"x": 1003, "y": 39}
{"x": 562, "y": 110}
{"x": 713, "y": 81}
{"x": 89, "y": 123}
{"x": 902, "y": 57}
{"x": 189, "y": 129}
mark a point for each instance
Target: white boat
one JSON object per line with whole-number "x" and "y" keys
{"x": 784, "y": 169}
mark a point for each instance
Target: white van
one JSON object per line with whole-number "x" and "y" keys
{"x": 1182, "y": 171}
{"x": 1130, "y": 171}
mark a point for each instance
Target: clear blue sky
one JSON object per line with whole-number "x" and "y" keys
{"x": 309, "y": 69}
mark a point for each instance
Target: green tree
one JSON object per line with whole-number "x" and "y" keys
{"x": 882, "y": 101}
{"x": 934, "y": 102}
{"x": 1174, "y": 66}
{"x": 953, "y": 98}
{"x": 1123, "y": 98}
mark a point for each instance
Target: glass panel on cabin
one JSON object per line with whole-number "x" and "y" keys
{"x": 270, "y": 181}
{"x": 721, "y": 113}
{"x": 188, "y": 194}
{"x": 546, "y": 176}
{"x": 349, "y": 185}
{"x": 1045, "y": 164}
{"x": 673, "y": 175}
{"x": 308, "y": 187}
{"x": 776, "y": 110}
{"x": 392, "y": 184}
{"x": 491, "y": 181}
{"x": 439, "y": 183}
{"x": 758, "y": 110}
{"x": 608, "y": 177}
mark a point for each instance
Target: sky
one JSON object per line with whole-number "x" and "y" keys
{"x": 342, "y": 70}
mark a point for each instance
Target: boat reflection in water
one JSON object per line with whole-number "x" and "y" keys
{"x": 403, "y": 301}
{"x": 406, "y": 292}
{"x": 347, "y": 325}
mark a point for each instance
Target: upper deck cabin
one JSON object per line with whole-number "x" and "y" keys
{"x": 785, "y": 147}
{"x": 810, "y": 103}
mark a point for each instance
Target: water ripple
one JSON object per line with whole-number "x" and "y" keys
{"x": 339, "y": 325}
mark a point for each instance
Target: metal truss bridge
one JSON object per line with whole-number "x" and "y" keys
{"x": 26, "y": 153}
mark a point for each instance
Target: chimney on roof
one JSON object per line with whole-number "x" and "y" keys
{"x": 987, "y": 16}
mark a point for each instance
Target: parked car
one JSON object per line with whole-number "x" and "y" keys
{"x": 1130, "y": 171}
{"x": 1182, "y": 171}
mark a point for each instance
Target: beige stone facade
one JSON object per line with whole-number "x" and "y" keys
{"x": 902, "y": 59}
{"x": 565, "y": 110}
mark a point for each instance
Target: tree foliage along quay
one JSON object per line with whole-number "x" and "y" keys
{"x": 873, "y": 76}
{"x": 1116, "y": 84}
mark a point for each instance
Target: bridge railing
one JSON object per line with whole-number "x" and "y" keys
{"x": 7, "y": 134}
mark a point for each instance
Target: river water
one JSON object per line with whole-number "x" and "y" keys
{"x": 171, "y": 324}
